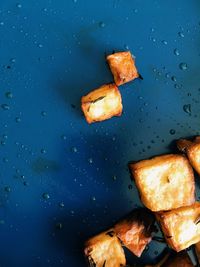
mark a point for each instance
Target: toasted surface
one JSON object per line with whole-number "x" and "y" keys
{"x": 181, "y": 226}
{"x": 197, "y": 249}
{"x": 165, "y": 182}
{"x": 102, "y": 103}
{"x": 105, "y": 250}
{"x": 181, "y": 259}
{"x": 135, "y": 230}
{"x": 192, "y": 149}
{"x": 123, "y": 67}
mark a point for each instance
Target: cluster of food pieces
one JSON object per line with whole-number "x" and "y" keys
{"x": 167, "y": 189}
{"x": 106, "y": 102}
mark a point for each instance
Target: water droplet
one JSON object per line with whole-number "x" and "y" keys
{"x": 167, "y": 75}
{"x": 40, "y": 45}
{"x": 187, "y": 108}
{"x": 135, "y": 10}
{"x": 177, "y": 86}
{"x": 5, "y": 160}
{"x": 183, "y": 66}
{"x": 5, "y": 106}
{"x": 9, "y": 95}
{"x": 7, "y": 189}
{"x": 152, "y": 30}
{"x": 172, "y": 131}
{"x": 43, "y": 113}
{"x": 43, "y": 151}
{"x": 102, "y": 24}
{"x": 61, "y": 205}
{"x": 12, "y": 60}
{"x": 3, "y": 143}
{"x": 90, "y": 160}
{"x": 74, "y": 149}
{"x": 17, "y": 119}
{"x": 59, "y": 226}
{"x": 126, "y": 47}
{"x": 93, "y": 198}
{"x": 75, "y": 1}
{"x": 114, "y": 177}
{"x": 176, "y": 52}
{"x": 181, "y": 34}
{"x": 45, "y": 196}
{"x": 164, "y": 42}
{"x": 19, "y": 5}
{"x": 5, "y": 136}
{"x": 64, "y": 137}
{"x": 1, "y": 23}
{"x": 174, "y": 78}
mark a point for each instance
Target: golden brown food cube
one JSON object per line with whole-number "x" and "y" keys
{"x": 135, "y": 230}
{"x": 105, "y": 250}
{"x": 197, "y": 249}
{"x": 123, "y": 67}
{"x": 181, "y": 227}
{"x": 192, "y": 149}
{"x": 102, "y": 103}
{"x": 165, "y": 182}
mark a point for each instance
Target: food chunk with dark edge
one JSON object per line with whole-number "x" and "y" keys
{"x": 165, "y": 182}
{"x": 192, "y": 150}
{"x": 135, "y": 230}
{"x": 102, "y": 103}
{"x": 105, "y": 250}
{"x": 181, "y": 227}
{"x": 122, "y": 66}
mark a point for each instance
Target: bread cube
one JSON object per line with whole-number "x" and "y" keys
{"x": 192, "y": 150}
{"x": 135, "y": 230}
{"x": 165, "y": 182}
{"x": 181, "y": 227}
{"x": 102, "y": 103}
{"x": 105, "y": 250}
{"x": 197, "y": 250}
{"x": 123, "y": 67}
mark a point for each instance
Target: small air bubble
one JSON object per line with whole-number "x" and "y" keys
{"x": 176, "y": 52}
{"x": 45, "y": 196}
{"x": 19, "y": 5}
{"x": 7, "y": 189}
{"x": 1, "y": 23}
{"x": 17, "y": 119}
{"x": 164, "y": 42}
{"x": 102, "y": 24}
{"x": 74, "y": 149}
{"x": 90, "y": 160}
{"x": 187, "y": 108}
{"x": 135, "y": 10}
{"x": 174, "y": 78}
{"x": 172, "y": 131}
{"x": 181, "y": 34}
{"x": 114, "y": 177}
{"x": 61, "y": 205}
{"x": 9, "y": 95}
{"x": 167, "y": 75}
{"x": 43, "y": 151}
{"x": 183, "y": 66}
{"x": 93, "y": 198}
{"x": 40, "y": 45}
{"x": 43, "y": 113}
{"x": 5, "y": 106}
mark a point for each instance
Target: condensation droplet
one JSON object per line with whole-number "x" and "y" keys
{"x": 176, "y": 52}
{"x": 9, "y": 95}
{"x": 45, "y": 196}
{"x": 187, "y": 108}
{"x": 7, "y": 189}
{"x": 181, "y": 34}
{"x": 172, "y": 131}
{"x": 5, "y": 106}
{"x": 102, "y": 24}
{"x": 183, "y": 66}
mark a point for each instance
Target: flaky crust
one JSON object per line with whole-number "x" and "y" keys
{"x": 102, "y": 103}
{"x": 105, "y": 250}
{"x": 123, "y": 67}
{"x": 181, "y": 226}
{"x": 165, "y": 182}
{"x": 135, "y": 231}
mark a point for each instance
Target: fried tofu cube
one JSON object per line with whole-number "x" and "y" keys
{"x": 102, "y": 103}
{"x": 181, "y": 227}
{"x": 105, "y": 250}
{"x": 197, "y": 250}
{"x": 135, "y": 230}
{"x": 164, "y": 182}
{"x": 122, "y": 66}
{"x": 192, "y": 150}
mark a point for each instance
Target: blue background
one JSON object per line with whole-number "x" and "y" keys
{"x": 52, "y": 53}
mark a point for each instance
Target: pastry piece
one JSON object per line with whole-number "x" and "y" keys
{"x": 181, "y": 227}
{"x": 102, "y": 103}
{"x": 192, "y": 150}
{"x": 122, "y": 66}
{"x": 135, "y": 230}
{"x": 197, "y": 249}
{"x": 165, "y": 182}
{"x": 105, "y": 250}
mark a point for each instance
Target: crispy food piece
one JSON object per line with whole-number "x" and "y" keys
{"x": 135, "y": 230}
{"x": 197, "y": 249}
{"x": 102, "y": 103}
{"x": 123, "y": 67}
{"x": 165, "y": 182}
{"x": 105, "y": 250}
{"x": 181, "y": 227}
{"x": 192, "y": 150}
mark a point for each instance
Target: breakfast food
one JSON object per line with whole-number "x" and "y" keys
{"x": 123, "y": 67}
{"x": 165, "y": 182}
{"x": 192, "y": 150}
{"x": 135, "y": 230}
{"x": 181, "y": 227}
{"x": 102, "y": 103}
{"x": 105, "y": 250}
{"x": 197, "y": 249}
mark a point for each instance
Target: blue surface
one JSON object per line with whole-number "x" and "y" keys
{"x": 52, "y": 53}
